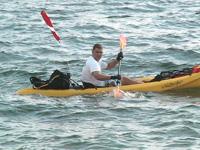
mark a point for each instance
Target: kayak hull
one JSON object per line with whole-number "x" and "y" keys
{"x": 188, "y": 81}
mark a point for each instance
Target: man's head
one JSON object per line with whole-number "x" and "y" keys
{"x": 97, "y": 51}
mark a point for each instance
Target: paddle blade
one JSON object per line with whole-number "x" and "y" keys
{"x": 118, "y": 93}
{"x": 122, "y": 41}
{"x": 50, "y": 25}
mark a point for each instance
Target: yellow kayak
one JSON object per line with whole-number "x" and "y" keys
{"x": 184, "y": 82}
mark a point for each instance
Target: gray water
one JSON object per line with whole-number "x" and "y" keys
{"x": 162, "y": 35}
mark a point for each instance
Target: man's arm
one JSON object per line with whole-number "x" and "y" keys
{"x": 103, "y": 77}
{"x": 100, "y": 76}
{"x": 112, "y": 64}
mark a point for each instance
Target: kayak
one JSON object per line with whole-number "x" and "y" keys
{"x": 184, "y": 82}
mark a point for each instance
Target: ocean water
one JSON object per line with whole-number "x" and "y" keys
{"x": 162, "y": 35}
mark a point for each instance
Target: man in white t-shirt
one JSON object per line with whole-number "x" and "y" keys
{"x": 91, "y": 74}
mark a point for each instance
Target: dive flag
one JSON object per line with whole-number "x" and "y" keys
{"x": 50, "y": 25}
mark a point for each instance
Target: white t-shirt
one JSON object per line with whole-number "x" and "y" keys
{"x": 92, "y": 65}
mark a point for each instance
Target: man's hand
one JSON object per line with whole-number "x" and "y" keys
{"x": 118, "y": 77}
{"x": 120, "y": 56}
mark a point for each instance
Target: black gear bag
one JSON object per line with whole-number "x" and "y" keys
{"x": 57, "y": 80}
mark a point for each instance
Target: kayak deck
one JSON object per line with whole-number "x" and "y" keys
{"x": 184, "y": 82}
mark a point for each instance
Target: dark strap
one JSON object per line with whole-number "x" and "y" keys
{"x": 90, "y": 85}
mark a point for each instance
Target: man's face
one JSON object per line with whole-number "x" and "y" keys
{"x": 97, "y": 53}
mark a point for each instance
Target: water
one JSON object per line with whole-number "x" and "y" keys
{"x": 162, "y": 35}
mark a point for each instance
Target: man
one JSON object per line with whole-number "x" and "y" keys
{"x": 91, "y": 74}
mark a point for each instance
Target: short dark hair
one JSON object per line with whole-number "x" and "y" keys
{"x": 99, "y": 46}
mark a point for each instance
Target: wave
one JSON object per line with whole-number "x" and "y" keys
{"x": 120, "y": 16}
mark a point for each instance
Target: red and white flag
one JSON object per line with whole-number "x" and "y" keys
{"x": 50, "y": 25}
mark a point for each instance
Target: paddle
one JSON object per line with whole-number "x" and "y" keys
{"x": 122, "y": 43}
